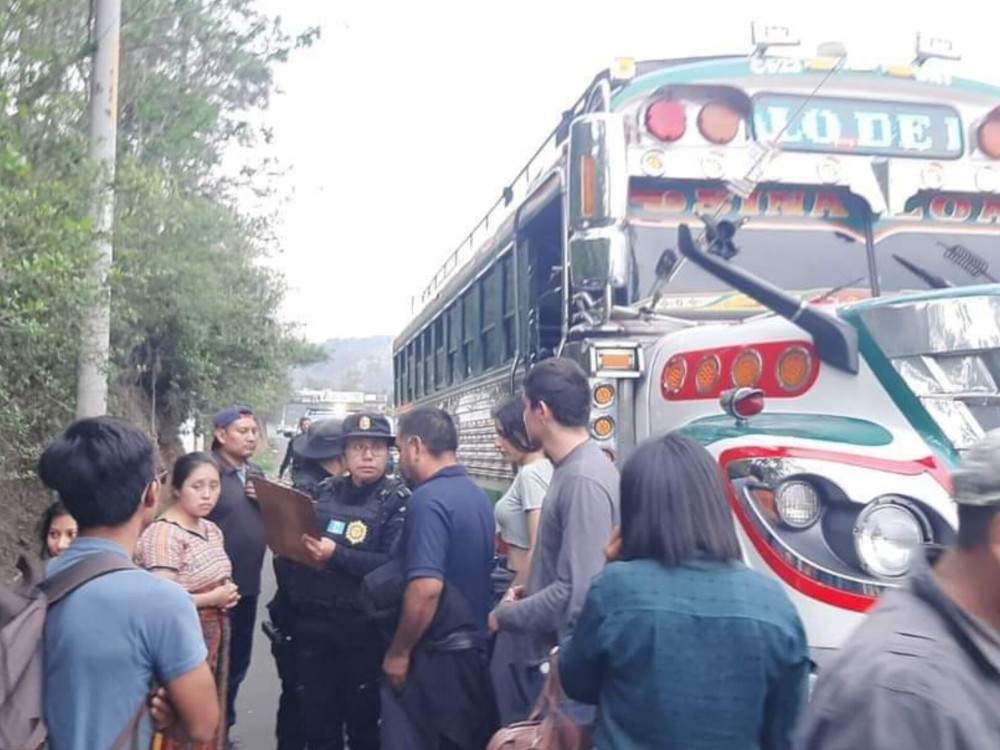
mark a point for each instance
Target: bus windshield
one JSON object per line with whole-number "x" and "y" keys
{"x": 920, "y": 259}
{"x": 808, "y": 260}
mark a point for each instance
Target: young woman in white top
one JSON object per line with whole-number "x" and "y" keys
{"x": 518, "y": 514}
{"x": 519, "y": 510}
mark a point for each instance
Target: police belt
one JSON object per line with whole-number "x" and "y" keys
{"x": 462, "y": 641}
{"x": 328, "y": 609}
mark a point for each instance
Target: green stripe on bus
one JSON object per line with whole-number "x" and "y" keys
{"x": 905, "y": 400}
{"x": 823, "y": 427}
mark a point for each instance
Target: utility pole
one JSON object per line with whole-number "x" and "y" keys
{"x": 95, "y": 340}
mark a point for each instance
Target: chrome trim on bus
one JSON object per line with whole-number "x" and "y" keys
{"x": 825, "y": 576}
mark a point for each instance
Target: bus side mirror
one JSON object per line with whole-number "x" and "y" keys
{"x": 598, "y": 258}
{"x": 597, "y": 183}
{"x": 597, "y": 172}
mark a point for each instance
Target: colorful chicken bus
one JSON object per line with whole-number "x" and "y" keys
{"x": 793, "y": 261}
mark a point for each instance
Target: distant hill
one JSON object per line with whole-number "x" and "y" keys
{"x": 363, "y": 364}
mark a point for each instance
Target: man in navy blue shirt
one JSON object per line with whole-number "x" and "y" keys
{"x": 438, "y": 693}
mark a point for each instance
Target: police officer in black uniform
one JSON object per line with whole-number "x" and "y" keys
{"x": 338, "y": 649}
{"x": 321, "y": 450}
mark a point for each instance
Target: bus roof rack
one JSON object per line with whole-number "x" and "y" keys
{"x": 538, "y": 166}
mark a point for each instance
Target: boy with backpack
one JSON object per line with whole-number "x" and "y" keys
{"x": 111, "y": 631}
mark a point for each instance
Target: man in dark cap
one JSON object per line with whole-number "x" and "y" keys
{"x": 238, "y": 515}
{"x": 321, "y": 452}
{"x": 923, "y": 671}
{"x": 291, "y": 460}
{"x": 338, "y": 649}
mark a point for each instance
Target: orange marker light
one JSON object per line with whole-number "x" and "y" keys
{"x": 706, "y": 377}
{"x": 674, "y": 375}
{"x": 603, "y": 427}
{"x": 719, "y": 123}
{"x": 988, "y": 135}
{"x": 794, "y": 369}
{"x": 588, "y": 186}
{"x": 604, "y": 394}
{"x": 747, "y": 368}
{"x": 615, "y": 360}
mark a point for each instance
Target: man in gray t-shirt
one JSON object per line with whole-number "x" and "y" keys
{"x": 578, "y": 515}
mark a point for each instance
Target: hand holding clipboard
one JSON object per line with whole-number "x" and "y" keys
{"x": 288, "y": 516}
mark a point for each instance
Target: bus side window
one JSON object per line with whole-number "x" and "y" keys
{"x": 508, "y": 305}
{"x": 454, "y": 336}
{"x": 544, "y": 296}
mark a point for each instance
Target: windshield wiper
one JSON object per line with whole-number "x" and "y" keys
{"x": 972, "y": 263}
{"x": 932, "y": 280}
{"x": 838, "y": 288}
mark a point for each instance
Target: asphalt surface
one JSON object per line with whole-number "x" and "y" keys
{"x": 257, "y": 703}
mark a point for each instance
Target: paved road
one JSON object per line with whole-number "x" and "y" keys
{"x": 258, "y": 699}
{"x": 257, "y": 703}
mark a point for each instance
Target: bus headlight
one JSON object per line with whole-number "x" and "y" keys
{"x": 888, "y": 535}
{"x": 797, "y": 504}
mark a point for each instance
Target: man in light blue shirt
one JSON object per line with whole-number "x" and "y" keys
{"x": 110, "y": 641}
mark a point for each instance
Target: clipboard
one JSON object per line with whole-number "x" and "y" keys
{"x": 287, "y": 514}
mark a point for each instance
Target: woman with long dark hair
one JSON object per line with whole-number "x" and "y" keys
{"x": 519, "y": 510}
{"x": 679, "y": 644}
{"x": 518, "y": 514}
{"x": 57, "y": 530}
{"x": 184, "y": 546}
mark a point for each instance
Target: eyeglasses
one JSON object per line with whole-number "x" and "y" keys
{"x": 359, "y": 449}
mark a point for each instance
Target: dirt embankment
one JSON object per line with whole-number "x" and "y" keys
{"x": 21, "y": 505}
{"x": 22, "y": 502}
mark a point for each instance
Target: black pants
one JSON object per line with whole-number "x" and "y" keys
{"x": 446, "y": 703}
{"x": 339, "y": 664}
{"x": 288, "y": 726}
{"x": 241, "y": 621}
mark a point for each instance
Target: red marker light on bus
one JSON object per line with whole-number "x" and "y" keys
{"x": 988, "y": 134}
{"x": 742, "y": 403}
{"x": 719, "y": 123}
{"x": 666, "y": 120}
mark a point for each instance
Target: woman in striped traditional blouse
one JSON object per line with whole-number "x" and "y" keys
{"x": 186, "y": 547}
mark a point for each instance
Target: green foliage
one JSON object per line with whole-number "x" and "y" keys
{"x": 194, "y": 311}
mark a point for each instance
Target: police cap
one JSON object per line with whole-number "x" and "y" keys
{"x": 368, "y": 425}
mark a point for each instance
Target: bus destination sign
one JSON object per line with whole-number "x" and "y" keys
{"x": 858, "y": 126}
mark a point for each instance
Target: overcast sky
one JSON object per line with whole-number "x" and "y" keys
{"x": 401, "y": 126}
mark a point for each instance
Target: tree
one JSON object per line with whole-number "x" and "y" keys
{"x": 194, "y": 308}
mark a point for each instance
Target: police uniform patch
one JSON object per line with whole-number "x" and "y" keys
{"x": 357, "y": 532}
{"x": 335, "y": 527}
{"x": 365, "y": 422}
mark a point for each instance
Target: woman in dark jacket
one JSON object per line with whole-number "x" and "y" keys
{"x": 680, "y": 644}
